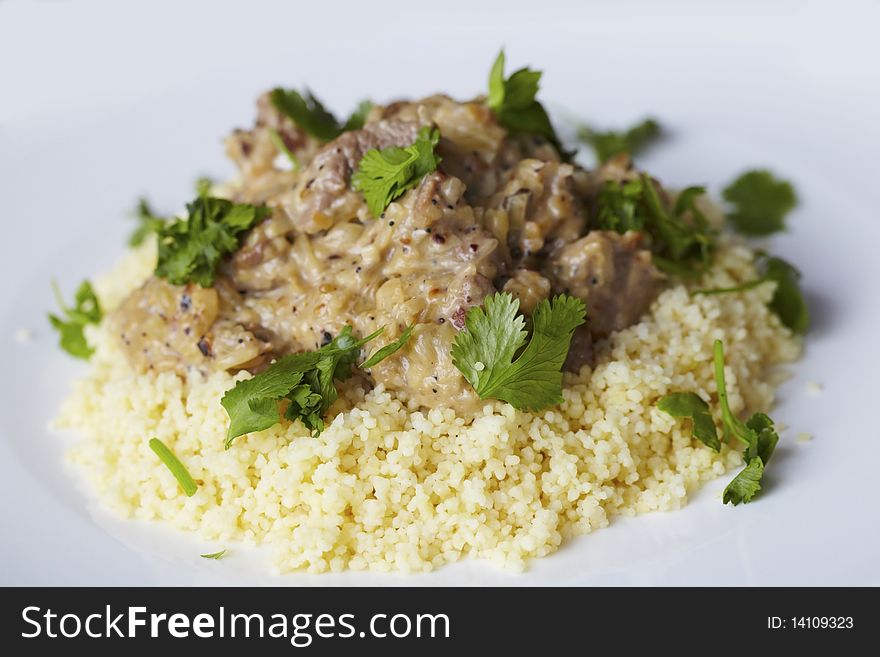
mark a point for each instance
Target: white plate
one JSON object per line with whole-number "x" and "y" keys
{"x": 103, "y": 101}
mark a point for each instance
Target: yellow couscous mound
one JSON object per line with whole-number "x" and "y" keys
{"x": 386, "y": 487}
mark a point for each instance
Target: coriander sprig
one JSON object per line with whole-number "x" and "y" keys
{"x": 514, "y": 103}
{"x": 71, "y": 329}
{"x": 757, "y": 434}
{"x": 190, "y": 249}
{"x": 304, "y": 381}
{"x": 679, "y": 235}
{"x": 487, "y": 352}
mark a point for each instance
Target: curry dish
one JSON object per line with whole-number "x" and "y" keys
{"x": 502, "y": 213}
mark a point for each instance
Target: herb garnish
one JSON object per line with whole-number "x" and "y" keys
{"x": 148, "y": 222}
{"x": 86, "y": 310}
{"x": 214, "y": 555}
{"x": 190, "y": 249}
{"x": 305, "y": 380}
{"x": 388, "y": 349}
{"x": 759, "y": 202}
{"x": 757, "y": 434}
{"x": 278, "y": 142}
{"x": 490, "y": 354}
{"x": 310, "y": 115}
{"x": 609, "y": 143}
{"x": 691, "y": 405}
{"x": 359, "y": 117}
{"x": 203, "y": 186}
{"x": 513, "y": 100}
{"x": 680, "y": 237}
{"x": 788, "y": 301}
{"x": 175, "y": 466}
{"x": 386, "y": 174}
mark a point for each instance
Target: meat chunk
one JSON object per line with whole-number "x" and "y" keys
{"x": 611, "y": 273}
{"x": 323, "y": 196}
{"x": 171, "y": 327}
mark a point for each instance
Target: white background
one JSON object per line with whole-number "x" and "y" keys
{"x": 103, "y": 101}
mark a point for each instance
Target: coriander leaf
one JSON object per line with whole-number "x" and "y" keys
{"x": 495, "y": 99}
{"x": 190, "y": 249}
{"x": 691, "y": 405}
{"x": 214, "y": 555}
{"x": 388, "y": 349}
{"x": 305, "y": 380}
{"x": 278, "y": 142}
{"x": 513, "y": 101}
{"x": 252, "y": 405}
{"x": 759, "y": 202}
{"x": 745, "y": 485}
{"x": 149, "y": 222}
{"x": 386, "y": 174}
{"x": 484, "y": 352}
{"x": 610, "y": 143}
{"x": 307, "y": 112}
{"x": 788, "y": 302}
{"x": 71, "y": 329}
{"x": 175, "y": 466}
{"x": 764, "y": 429}
{"x": 359, "y": 117}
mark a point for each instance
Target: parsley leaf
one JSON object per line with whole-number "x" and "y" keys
{"x": 484, "y": 352}
{"x": 610, "y": 143}
{"x": 305, "y": 380}
{"x": 148, "y": 222}
{"x": 310, "y": 115}
{"x": 175, "y": 466}
{"x": 788, "y": 301}
{"x": 190, "y": 249}
{"x": 758, "y": 434}
{"x": 760, "y": 202}
{"x": 691, "y": 405}
{"x": 514, "y": 104}
{"x": 86, "y": 310}
{"x": 388, "y": 349}
{"x": 386, "y": 174}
